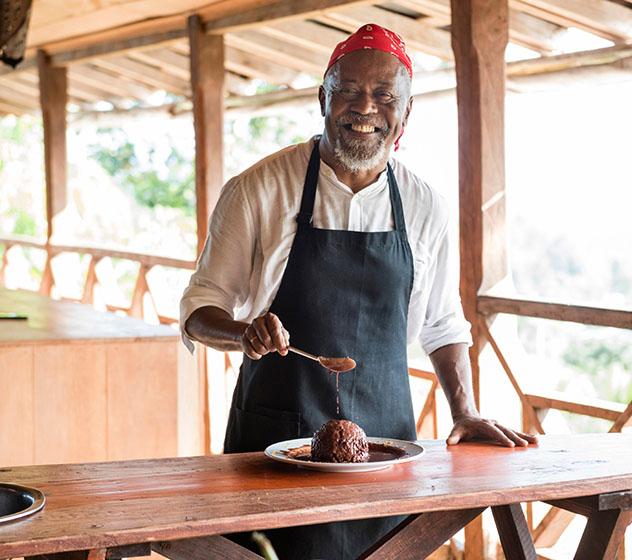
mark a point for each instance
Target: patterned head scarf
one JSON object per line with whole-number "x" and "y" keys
{"x": 372, "y": 36}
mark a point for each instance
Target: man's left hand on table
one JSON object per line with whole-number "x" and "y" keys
{"x": 475, "y": 428}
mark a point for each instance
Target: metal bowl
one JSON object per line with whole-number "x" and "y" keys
{"x": 19, "y": 501}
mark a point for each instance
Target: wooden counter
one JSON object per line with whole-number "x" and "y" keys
{"x": 83, "y": 385}
{"x": 104, "y": 506}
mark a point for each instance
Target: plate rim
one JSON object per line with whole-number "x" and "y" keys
{"x": 39, "y": 500}
{"x": 343, "y": 467}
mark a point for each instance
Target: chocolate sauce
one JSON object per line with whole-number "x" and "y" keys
{"x": 377, "y": 452}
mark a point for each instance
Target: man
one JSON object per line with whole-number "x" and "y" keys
{"x": 329, "y": 243}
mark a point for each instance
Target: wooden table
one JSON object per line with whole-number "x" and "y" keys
{"x": 82, "y": 385}
{"x": 179, "y": 506}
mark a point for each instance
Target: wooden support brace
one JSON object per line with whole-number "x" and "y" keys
{"x": 429, "y": 412}
{"x": 91, "y": 280}
{"x": 603, "y": 535}
{"x": 203, "y": 548}
{"x": 513, "y": 532}
{"x": 420, "y": 535}
{"x": 623, "y": 420}
{"x": 550, "y": 529}
{"x": 4, "y": 264}
{"x": 531, "y": 417}
{"x": 136, "y": 307}
{"x": 48, "y": 280}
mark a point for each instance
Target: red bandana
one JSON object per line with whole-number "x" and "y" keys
{"x": 372, "y": 36}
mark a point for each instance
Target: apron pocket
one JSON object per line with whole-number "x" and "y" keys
{"x": 254, "y": 431}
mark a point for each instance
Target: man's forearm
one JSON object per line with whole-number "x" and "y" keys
{"x": 215, "y": 328}
{"x": 452, "y": 366}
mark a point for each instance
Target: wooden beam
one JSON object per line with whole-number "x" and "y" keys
{"x": 529, "y": 416}
{"x": 480, "y": 31}
{"x": 595, "y": 408}
{"x": 308, "y": 34}
{"x": 249, "y": 65}
{"x": 524, "y": 29}
{"x": 207, "y": 86}
{"x": 489, "y": 305}
{"x": 202, "y": 548}
{"x": 11, "y": 93}
{"x": 582, "y": 59}
{"x": 550, "y": 529}
{"x": 601, "y": 17}
{"x": 479, "y": 38}
{"x": 279, "y": 51}
{"x": 603, "y": 535}
{"x": 53, "y": 99}
{"x": 623, "y": 420}
{"x": 419, "y": 536}
{"x": 253, "y": 66}
{"x": 10, "y": 108}
{"x": 278, "y": 11}
{"x": 167, "y": 60}
{"x": 107, "y": 82}
{"x": 417, "y": 36}
{"x": 146, "y": 75}
{"x": 514, "y": 532}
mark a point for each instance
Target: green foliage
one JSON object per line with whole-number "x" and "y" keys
{"x": 153, "y": 181}
{"x": 607, "y": 363}
{"x": 24, "y": 223}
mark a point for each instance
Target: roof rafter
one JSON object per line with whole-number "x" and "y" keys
{"x": 416, "y": 35}
{"x": 601, "y": 17}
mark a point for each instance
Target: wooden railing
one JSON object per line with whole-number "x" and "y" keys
{"x": 536, "y": 406}
{"x": 141, "y": 288}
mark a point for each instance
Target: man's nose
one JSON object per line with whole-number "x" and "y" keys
{"x": 364, "y": 104}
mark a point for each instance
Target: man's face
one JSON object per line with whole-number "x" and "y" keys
{"x": 365, "y": 100}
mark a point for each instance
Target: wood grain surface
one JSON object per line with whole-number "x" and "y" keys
{"x": 61, "y": 321}
{"x": 108, "y": 504}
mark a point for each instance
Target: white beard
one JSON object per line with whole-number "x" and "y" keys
{"x": 355, "y": 158}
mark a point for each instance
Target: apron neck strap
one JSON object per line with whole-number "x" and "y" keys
{"x": 306, "y": 214}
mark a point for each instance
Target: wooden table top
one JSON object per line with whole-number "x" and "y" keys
{"x": 110, "y": 504}
{"x": 62, "y": 321}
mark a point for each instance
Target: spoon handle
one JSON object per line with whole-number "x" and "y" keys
{"x": 303, "y": 353}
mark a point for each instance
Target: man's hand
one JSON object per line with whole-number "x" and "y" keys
{"x": 469, "y": 428}
{"x": 265, "y": 334}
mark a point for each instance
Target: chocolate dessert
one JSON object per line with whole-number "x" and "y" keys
{"x": 340, "y": 441}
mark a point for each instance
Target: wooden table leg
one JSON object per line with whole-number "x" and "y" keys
{"x": 418, "y": 536}
{"x": 514, "y": 532}
{"x": 603, "y": 535}
{"x": 203, "y": 548}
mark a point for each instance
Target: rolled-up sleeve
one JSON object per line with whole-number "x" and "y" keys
{"x": 444, "y": 322}
{"x": 221, "y": 278}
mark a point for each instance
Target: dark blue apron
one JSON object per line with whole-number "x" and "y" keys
{"x": 343, "y": 293}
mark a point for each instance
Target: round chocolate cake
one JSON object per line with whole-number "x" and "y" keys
{"x": 340, "y": 441}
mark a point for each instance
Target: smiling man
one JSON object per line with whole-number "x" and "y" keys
{"x": 338, "y": 246}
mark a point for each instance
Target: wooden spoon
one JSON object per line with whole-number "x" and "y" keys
{"x": 333, "y": 364}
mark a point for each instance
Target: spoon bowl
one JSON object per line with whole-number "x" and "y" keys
{"x": 337, "y": 365}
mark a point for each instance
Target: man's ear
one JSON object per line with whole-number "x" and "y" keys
{"x": 409, "y": 107}
{"x": 322, "y": 98}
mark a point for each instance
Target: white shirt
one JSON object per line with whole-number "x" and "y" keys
{"x": 253, "y": 226}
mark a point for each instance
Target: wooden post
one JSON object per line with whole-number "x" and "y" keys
{"x": 207, "y": 85}
{"x": 53, "y": 98}
{"x": 479, "y": 37}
